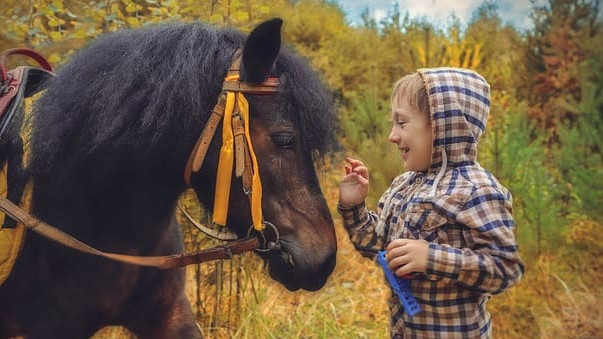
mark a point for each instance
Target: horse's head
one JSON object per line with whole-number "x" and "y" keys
{"x": 288, "y": 129}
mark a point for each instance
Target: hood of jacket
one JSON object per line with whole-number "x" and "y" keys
{"x": 459, "y": 104}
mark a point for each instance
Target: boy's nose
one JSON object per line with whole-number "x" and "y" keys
{"x": 393, "y": 138}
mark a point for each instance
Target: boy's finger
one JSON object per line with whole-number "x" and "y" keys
{"x": 396, "y": 252}
{"x": 397, "y": 262}
{"x": 395, "y": 244}
{"x": 362, "y": 180}
{"x": 405, "y": 271}
{"x": 354, "y": 162}
{"x": 354, "y": 178}
{"x": 348, "y": 169}
{"x": 363, "y": 171}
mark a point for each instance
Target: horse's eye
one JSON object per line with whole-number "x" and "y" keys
{"x": 283, "y": 140}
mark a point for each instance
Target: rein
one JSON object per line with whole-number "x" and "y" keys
{"x": 236, "y": 147}
{"x": 164, "y": 262}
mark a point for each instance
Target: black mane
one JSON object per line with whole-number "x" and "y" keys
{"x": 152, "y": 89}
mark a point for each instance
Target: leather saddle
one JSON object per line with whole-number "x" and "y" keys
{"x": 19, "y": 83}
{"x": 16, "y": 86}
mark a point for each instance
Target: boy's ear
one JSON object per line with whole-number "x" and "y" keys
{"x": 260, "y": 51}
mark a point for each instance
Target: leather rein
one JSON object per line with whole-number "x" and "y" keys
{"x": 243, "y": 170}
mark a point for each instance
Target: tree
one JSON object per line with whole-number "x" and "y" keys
{"x": 555, "y": 49}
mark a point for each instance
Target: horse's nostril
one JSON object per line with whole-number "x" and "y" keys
{"x": 274, "y": 246}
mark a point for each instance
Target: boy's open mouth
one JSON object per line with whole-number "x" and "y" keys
{"x": 405, "y": 151}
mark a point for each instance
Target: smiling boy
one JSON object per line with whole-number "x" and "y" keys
{"x": 446, "y": 220}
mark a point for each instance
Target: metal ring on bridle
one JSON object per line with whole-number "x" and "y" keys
{"x": 263, "y": 247}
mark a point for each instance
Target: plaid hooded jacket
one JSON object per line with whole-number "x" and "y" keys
{"x": 458, "y": 207}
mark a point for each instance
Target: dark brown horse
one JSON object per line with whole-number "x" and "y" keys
{"x": 110, "y": 141}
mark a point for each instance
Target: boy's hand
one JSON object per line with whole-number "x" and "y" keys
{"x": 405, "y": 256}
{"x": 353, "y": 187}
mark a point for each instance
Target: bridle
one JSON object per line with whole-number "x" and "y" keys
{"x": 233, "y": 110}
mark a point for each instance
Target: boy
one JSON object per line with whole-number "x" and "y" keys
{"x": 446, "y": 220}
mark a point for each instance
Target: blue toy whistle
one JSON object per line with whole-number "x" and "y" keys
{"x": 401, "y": 286}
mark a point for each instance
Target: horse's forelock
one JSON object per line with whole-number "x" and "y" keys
{"x": 310, "y": 103}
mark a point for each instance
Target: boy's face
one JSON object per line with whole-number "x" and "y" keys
{"x": 411, "y": 132}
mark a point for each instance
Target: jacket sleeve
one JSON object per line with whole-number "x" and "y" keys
{"x": 493, "y": 263}
{"x": 360, "y": 224}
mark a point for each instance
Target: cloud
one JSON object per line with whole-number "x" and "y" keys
{"x": 438, "y": 12}
{"x": 379, "y": 14}
{"x": 377, "y": 8}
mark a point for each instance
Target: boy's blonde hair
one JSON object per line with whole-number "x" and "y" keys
{"x": 410, "y": 90}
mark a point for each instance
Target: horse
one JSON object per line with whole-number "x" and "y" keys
{"x": 110, "y": 139}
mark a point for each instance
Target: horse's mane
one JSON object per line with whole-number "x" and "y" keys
{"x": 139, "y": 90}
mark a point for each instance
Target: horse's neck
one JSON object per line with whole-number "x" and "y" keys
{"x": 133, "y": 210}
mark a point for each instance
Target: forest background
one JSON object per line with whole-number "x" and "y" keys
{"x": 543, "y": 142}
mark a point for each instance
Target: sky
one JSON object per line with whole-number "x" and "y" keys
{"x": 438, "y": 12}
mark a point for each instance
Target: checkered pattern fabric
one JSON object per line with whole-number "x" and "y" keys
{"x": 468, "y": 223}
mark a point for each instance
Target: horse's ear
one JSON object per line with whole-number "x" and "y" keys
{"x": 260, "y": 51}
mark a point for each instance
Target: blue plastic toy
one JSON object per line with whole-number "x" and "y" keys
{"x": 401, "y": 286}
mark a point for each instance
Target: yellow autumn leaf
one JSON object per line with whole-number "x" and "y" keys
{"x": 216, "y": 18}
{"x": 80, "y": 34}
{"x": 133, "y": 22}
{"x": 55, "y": 35}
{"x": 131, "y": 8}
{"x": 58, "y": 4}
{"x": 46, "y": 11}
{"x": 54, "y": 58}
{"x": 53, "y": 22}
{"x": 98, "y": 14}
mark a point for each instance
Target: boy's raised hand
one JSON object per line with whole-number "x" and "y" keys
{"x": 354, "y": 186}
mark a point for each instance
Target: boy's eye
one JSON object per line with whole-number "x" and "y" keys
{"x": 400, "y": 122}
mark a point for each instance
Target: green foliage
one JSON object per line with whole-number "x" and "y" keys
{"x": 518, "y": 160}
{"x": 578, "y": 154}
